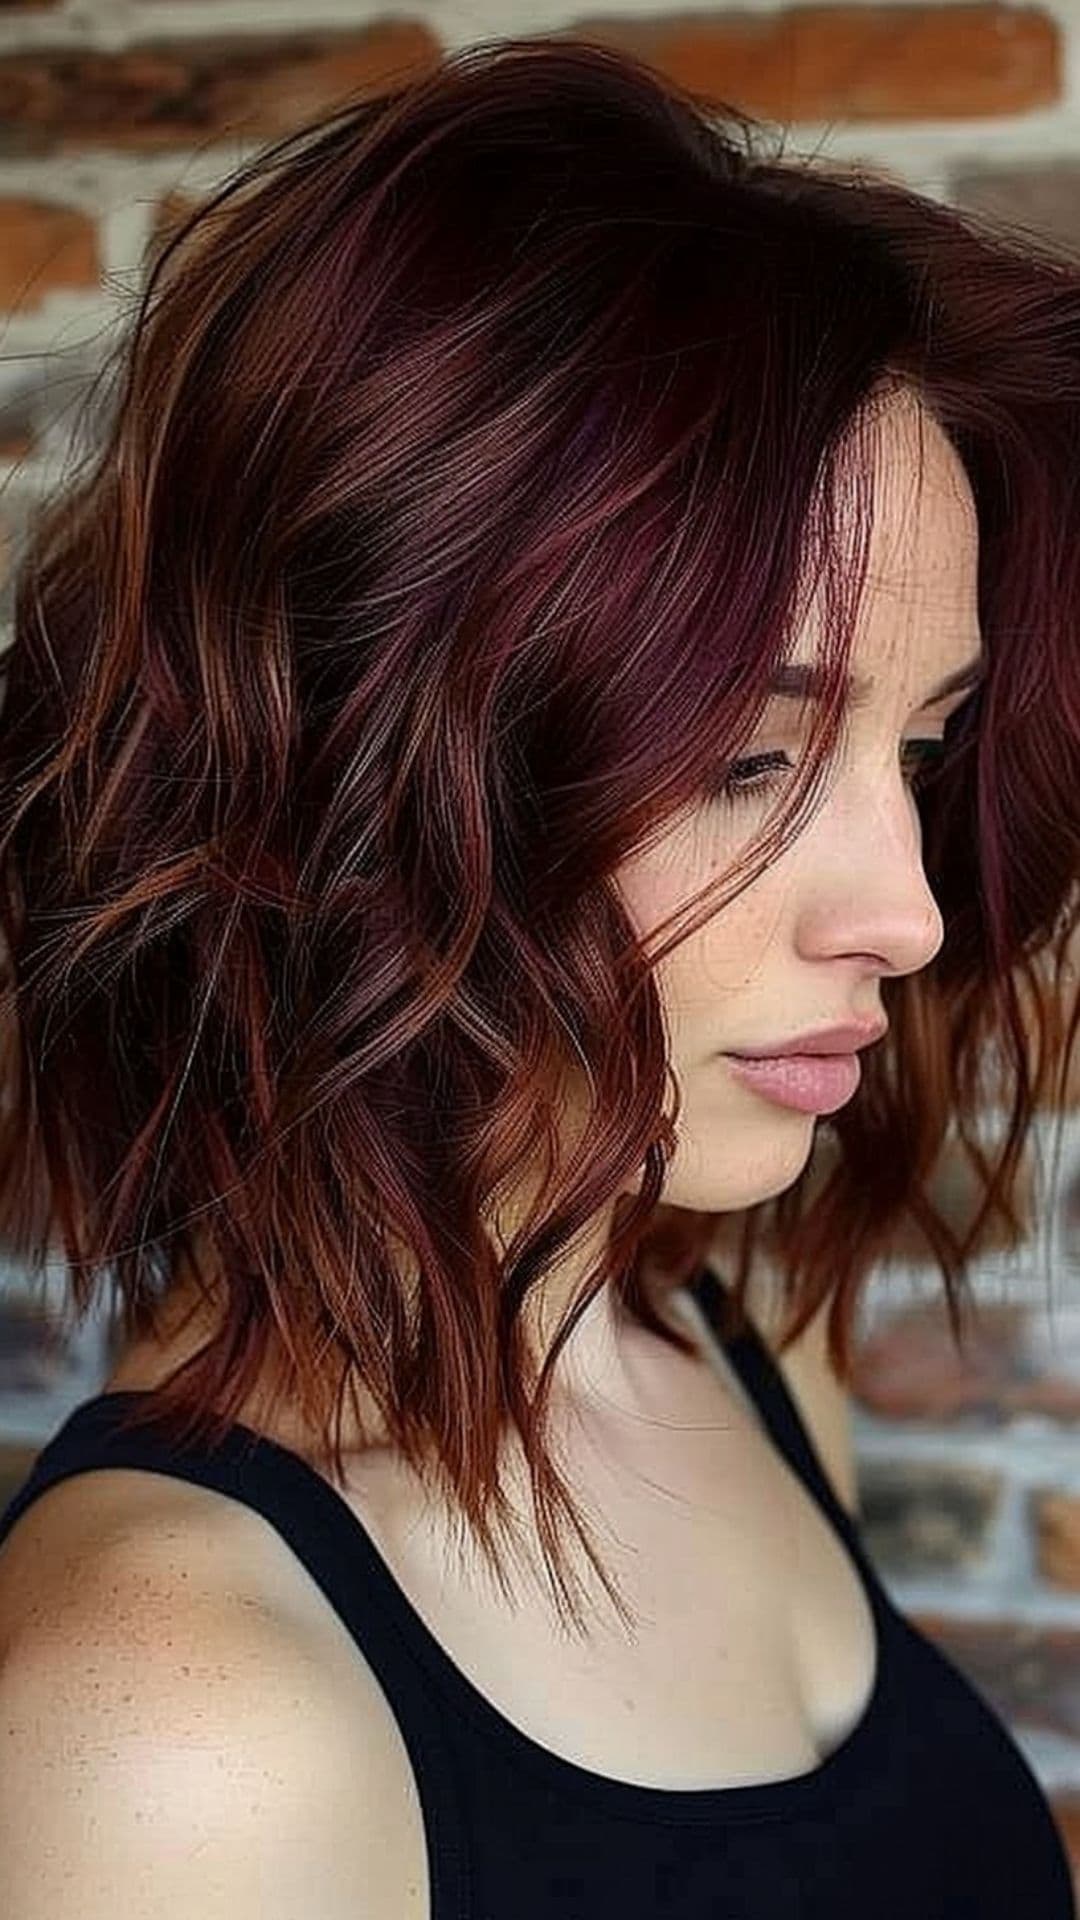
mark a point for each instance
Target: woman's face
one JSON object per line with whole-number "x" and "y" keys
{"x": 847, "y": 904}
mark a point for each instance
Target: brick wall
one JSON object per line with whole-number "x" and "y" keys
{"x": 112, "y": 116}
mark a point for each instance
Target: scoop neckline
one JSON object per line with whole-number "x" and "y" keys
{"x": 631, "y": 1799}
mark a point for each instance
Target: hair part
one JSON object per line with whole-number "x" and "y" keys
{"x": 472, "y": 455}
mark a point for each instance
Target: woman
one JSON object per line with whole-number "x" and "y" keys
{"x": 529, "y": 515}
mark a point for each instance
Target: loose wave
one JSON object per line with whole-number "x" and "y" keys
{"x": 471, "y": 455}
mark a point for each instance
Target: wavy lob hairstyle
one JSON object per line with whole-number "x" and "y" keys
{"x": 473, "y": 452}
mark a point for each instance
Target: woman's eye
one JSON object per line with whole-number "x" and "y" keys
{"x": 763, "y": 771}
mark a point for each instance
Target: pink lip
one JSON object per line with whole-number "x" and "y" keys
{"x": 823, "y": 1040}
{"x": 811, "y": 1083}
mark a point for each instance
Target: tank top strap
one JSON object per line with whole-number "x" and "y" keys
{"x": 749, "y": 1355}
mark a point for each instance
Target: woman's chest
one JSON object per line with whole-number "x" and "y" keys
{"x": 753, "y": 1650}
{"x": 752, "y": 1653}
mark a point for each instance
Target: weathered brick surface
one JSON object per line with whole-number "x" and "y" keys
{"x": 806, "y": 63}
{"x": 1055, "y": 1525}
{"x": 923, "y": 1517}
{"x": 1012, "y": 1364}
{"x": 184, "y": 93}
{"x": 858, "y": 63}
{"x": 44, "y": 246}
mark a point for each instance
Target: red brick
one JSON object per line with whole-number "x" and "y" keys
{"x": 165, "y": 94}
{"x": 43, "y": 247}
{"x": 855, "y": 63}
{"x": 909, "y": 1368}
{"x": 1055, "y": 1528}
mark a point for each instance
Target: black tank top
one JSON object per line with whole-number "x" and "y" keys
{"x": 928, "y": 1810}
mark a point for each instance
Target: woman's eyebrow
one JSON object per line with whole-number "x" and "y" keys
{"x": 804, "y": 681}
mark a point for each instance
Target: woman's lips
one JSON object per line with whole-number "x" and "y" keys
{"x": 812, "y": 1083}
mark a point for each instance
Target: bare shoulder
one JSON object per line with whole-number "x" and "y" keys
{"x": 176, "y": 1741}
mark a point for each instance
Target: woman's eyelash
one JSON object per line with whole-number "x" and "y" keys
{"x": 761, "y": 773}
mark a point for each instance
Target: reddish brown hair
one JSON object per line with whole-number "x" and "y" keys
{"x": 453, "y": 512}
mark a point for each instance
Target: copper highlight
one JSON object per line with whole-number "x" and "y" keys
{"x": 468, "y": 458}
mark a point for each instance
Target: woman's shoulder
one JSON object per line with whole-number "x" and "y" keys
{"x": 155, "y": 1679}
{"x": 128, "y": 1530}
